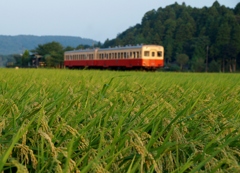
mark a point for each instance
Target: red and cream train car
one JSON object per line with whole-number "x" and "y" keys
{"x": 140, "y": 56}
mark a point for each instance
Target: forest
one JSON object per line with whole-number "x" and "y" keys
{"x": 196, "y": 39}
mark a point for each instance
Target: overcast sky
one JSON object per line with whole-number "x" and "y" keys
{"x": 94, "y": 19}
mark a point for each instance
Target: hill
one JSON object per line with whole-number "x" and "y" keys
{"x": 209, "y": 36}
{"x": 19, "y": 43}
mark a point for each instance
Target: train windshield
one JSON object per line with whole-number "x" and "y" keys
{"x": 159, "y": 53}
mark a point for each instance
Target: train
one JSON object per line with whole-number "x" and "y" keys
{"x": 119, "y": 57}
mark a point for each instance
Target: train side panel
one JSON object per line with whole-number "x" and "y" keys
{"x": 146, "y": 56}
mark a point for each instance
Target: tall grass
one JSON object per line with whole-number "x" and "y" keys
{"x": 106, "y": 121}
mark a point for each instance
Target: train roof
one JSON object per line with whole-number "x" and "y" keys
{"x": 111, "y": 48}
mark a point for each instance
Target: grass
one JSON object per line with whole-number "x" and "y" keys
{"x": 107, "y": 121}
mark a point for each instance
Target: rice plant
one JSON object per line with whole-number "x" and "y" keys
{"x": 107, "y": 121}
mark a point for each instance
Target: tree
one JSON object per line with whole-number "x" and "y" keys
{"x": 214, "y": 66}
{"x": 18, "y": 60}
{"x": 222, "y": 41}
{"x": 235, "y": 45}
{"x": 182, "y": 59}
{"x": 54, "y": 50}
{"x": 25, "y": 58}
{"x": 237, "y": 9}
{"x": 83, "y": 46}
{"x": 197, "y": 64}
{"x": 68, "y": 48}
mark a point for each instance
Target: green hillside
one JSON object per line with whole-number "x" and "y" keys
{"x": 209, "y": 36}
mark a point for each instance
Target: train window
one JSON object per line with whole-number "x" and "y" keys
{"x": 146, "y": 53}
{"x": 115, "y": 55}
{"x": 118, "y": 55}
{"x": 110, "y": 55}
{"x": 125, "y": 55}
{"x": 134, "y": 54}
{"x": 130, "y": 54}
{"x": 159, "y": 53}
{"x": 137, "y": 55}
{"x": 153, "y": 54}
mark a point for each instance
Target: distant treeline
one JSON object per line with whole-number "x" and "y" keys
{"x": 208, "y": 37}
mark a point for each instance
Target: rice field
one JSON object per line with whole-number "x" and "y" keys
{"x": 108, "y": 121}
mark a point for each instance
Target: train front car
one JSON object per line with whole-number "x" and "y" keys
{"x": 152, "y": 56}
{"x": 149, "y": 57}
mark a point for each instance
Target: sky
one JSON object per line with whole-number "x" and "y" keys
{"x": 95, "y": 19}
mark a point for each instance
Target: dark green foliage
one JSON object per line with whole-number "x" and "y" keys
{"x": 52, "y": 52}
{"x": 237, "y": 9}
{"x": 25, "y": 58}
{"x": 182, "y": 29}
{"x": 214, "y": 66}
{"x": 197, "y": 64}
{"x": 182, "y": 59}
